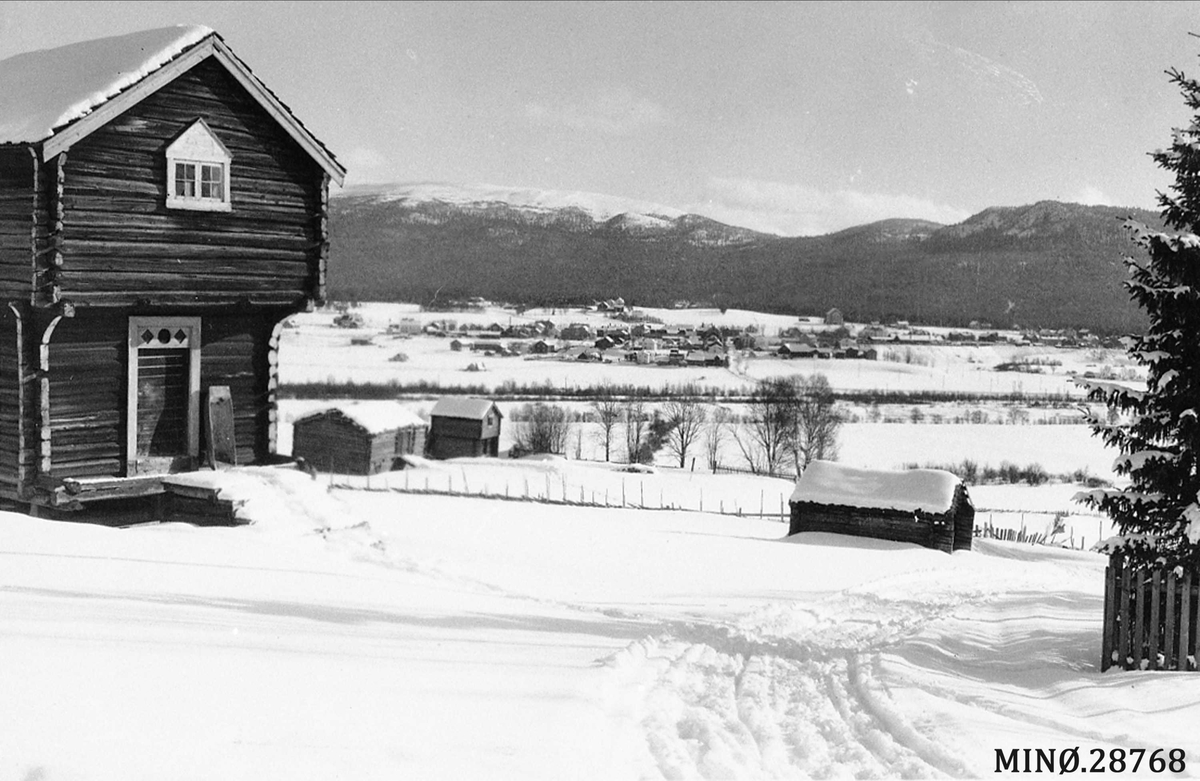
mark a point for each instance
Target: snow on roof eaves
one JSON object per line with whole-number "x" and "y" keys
{"x": 460, "y": 407}
{"x": 928, "y": 490}
{"x": 59, "y": 96}
{"x": 375, "y": 417}
{"x": 45, "y": 90}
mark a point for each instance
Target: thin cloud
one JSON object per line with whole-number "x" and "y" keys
{"x": 980, "y": 73}
{"x": 366, "y": 166}
{"x": 613, "y": 111}
{"x": 1092, "y": 196}
{"x": 798, "y": 210}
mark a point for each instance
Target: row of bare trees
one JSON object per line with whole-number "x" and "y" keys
{"x": 790, "y": 422}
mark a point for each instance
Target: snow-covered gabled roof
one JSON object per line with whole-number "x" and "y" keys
{"x": 58, "y": 96}
{"x": 376, "y": 417}
{"x": 463, "y": 407}
{"x": 929, "y": 490}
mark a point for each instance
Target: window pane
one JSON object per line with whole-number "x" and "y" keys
{"x": 185, "y": 180}
{"x": 212, "y": 184}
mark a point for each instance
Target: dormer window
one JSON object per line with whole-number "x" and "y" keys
{"x": 198, "y": 170}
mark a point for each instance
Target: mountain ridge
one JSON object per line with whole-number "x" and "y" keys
{"x": 1046, "y": 264}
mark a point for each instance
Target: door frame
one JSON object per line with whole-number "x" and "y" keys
{"x": 191, "y": 328}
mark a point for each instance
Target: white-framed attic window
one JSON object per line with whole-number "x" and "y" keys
{"x": 198, "y": 171}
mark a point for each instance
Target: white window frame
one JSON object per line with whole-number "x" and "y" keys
{"x": 138, "y": 324}
{"x": 199, "y": 146}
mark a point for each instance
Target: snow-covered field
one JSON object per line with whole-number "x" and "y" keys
{"x": 315, "y": 351}
{"x": 636, "y": 625}
{"x": 379, "y": 635}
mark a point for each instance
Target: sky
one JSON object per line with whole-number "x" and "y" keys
{"x": 793, "y": 118}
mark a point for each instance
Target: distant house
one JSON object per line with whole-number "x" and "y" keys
{"x": 460, "y": 426}
{"x": 576, "y": 332}
{"x": 456, "y": 345}
{"x": 796, "y": 350}
{"x": 362, "y": 438}
{"x": 834, "y": 317}
{"x": 542, "y": 347}
{"x": 928, "y": 507}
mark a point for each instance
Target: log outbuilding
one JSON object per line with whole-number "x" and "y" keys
{"x": 363, "y": 438}
{"x": 161, "y": 213}
{"x": 460, "y": 426}
{"x": 929, "y": 507}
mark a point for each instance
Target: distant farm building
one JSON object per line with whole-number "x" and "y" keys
{"x": 464, "y": 427}
{"x": 834, "y": 317}
{"x": 363, "y": 438}
{"x": 928, "y": 507}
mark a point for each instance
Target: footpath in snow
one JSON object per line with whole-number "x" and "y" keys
{"x": 354, "y": 634}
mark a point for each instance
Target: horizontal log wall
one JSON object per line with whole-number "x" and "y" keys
{"x": 461, "y": 428}
{"x": 16, "y": 223}
{"x": 89, "y": 377}
{"x": 234, "y": 352}
{"x": 928, "y": 531}
{"x": 332, "y": 445}
{"x": 121, "y": 245}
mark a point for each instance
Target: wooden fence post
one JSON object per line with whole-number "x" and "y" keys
{"x": 1155, "y": 639}
{"x": 1139, "y": 627}
{"x": 1123, "y": 618}
{"x": 1195, "y": 624}
{"x": 1110, "y": 615}
{"x": 1169, "y": 644}
{"x": 1185, "y": 610}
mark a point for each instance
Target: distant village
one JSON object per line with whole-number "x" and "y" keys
{"x": 636, "y": 338}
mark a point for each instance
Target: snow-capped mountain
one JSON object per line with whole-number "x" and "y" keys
{"x": 438, "y": 204}
{"x": 1047, "y": 264}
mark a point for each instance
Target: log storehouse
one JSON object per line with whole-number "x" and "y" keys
{"x": 161, "y": 213}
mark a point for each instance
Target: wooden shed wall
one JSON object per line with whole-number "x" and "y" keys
{"x": 333, "y": 443}
{"x": 119, "y": 242}
{"x": 444, "y": 446}
{"x": 88, "y": 382}
{"x": 929, "y": 531}
{"x": 459, "y": 428}
{"x": 16, "y": 223}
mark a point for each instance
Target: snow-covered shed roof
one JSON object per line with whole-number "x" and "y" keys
{"x": 376, "y": 417}
{"x": 929, "y": 490}
{"x": 58, "y": 96}
{"x": 463, "y": 407}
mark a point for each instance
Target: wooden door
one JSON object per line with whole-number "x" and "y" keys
{"x": 164, "y": 393}
{"x": 162, "y": 407}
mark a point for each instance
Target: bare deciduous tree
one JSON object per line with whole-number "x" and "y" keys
{"x": 715, "y": 432}
{"x": 608, "y": 414}
{"x": 817, "y": 422}
{"x": 636, "y": 419}
{"x": 545, "y": 428}
{"x": 771, "y": 424}
{"x": 685, "y": 418}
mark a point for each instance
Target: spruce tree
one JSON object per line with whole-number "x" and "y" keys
{"x": 1155, "y": 427}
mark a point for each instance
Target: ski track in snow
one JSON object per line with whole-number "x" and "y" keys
{"x": 749, "y": 702}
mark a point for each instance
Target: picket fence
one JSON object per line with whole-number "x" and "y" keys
{"x": 1151, "y": 617}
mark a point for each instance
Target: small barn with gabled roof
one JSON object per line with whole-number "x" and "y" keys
{"x": 462, "y": 426}
{"x": 363, "y": 438}
{"x": 929, "y": 507}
